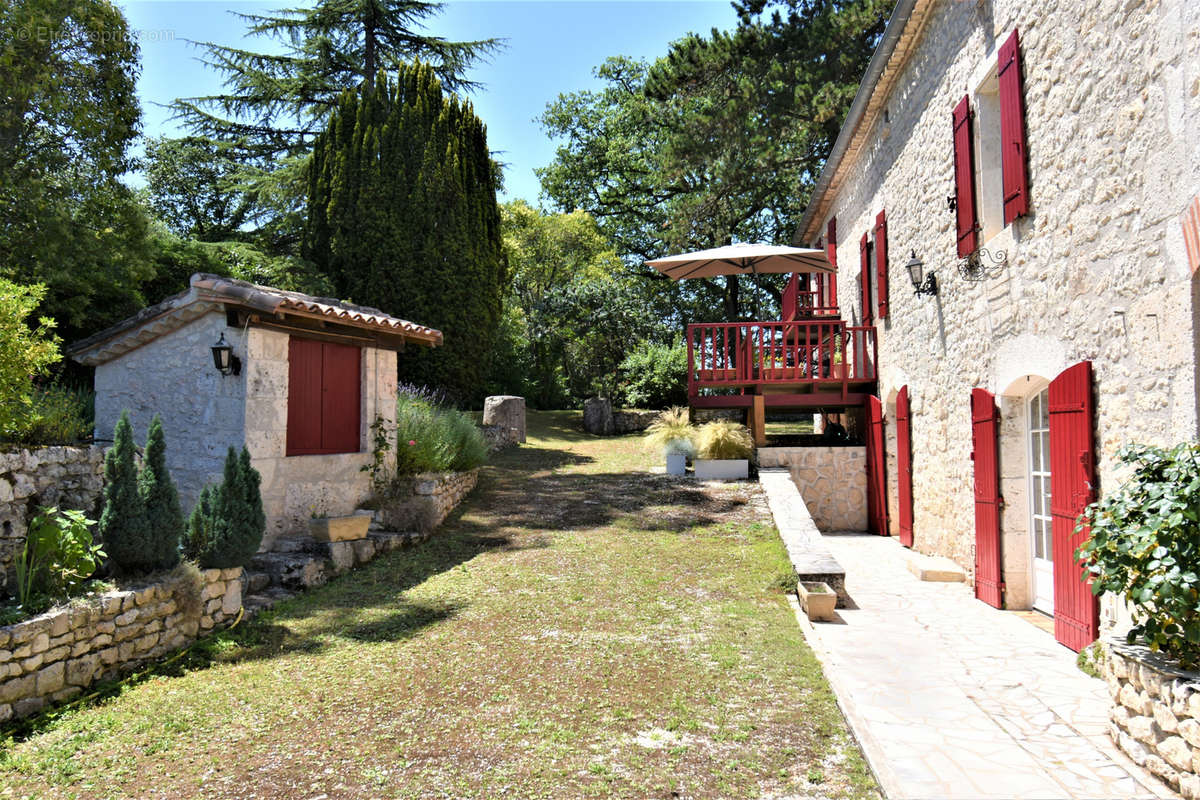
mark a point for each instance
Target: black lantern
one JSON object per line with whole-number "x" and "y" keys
{"x": 922, "y": 284}
{"x": 224, "y": 359}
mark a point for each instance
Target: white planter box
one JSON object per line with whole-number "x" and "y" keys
{"x": 339, "y": 529}
{"x": 676, "y": 464}
{"x": 817, "y": 600}
{"x": 723, "y": 469}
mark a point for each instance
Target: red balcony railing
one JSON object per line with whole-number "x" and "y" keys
{"x": 742, "y": 354}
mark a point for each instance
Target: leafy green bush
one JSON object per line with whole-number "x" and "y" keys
{"x": 227, "y": 524}
{"x": 672, "y": 433}
{"x": 57, "y": 415}
{"x": 722, "y": 439}
{"x": 164, "y": 518}
{"x": 655, "y": 375}
{"x": 24, "y": 353}
{"x": 58, "y": 556}
{"x": 430, "y": 438}
{"x": 1144, "y": 545}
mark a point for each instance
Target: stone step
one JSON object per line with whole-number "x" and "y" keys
{"x": 938, "y": 569}
{"x": 292, "y": 570}
{"x": 254, "y": 582}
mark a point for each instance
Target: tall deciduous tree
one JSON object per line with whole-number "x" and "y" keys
{"x": 67, "y": 78}
{"x": 403, "y": 216}
{"x": 721, "y": 139}
{"x": 192, "y": 185}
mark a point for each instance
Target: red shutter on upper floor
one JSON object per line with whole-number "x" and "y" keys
{"x": 1072, "y": 487}
{"x": 324, "y": 393}
{"x": 865, "y": 280}
{"x": 831, "y": 252}
{"x": 989, "y": 580}
{"x": 964, "y": 179}
{"x": 1013, "y": 153}
{"x": 881, "y": 264}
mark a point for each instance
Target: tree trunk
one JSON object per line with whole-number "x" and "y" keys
{"x": 731, "y": 298}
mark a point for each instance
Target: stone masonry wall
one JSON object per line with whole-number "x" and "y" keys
{"x": 832, "y": 481}
{"x": 55, "y": 656}
{"x": 1097, "y": 270}
{"x": 426, "y": 500}
{"x": 62, "y": 477}
{"x": 1155, "y": 715}
{"x": 203, "y": 411}
{"x": 296, "y": 488}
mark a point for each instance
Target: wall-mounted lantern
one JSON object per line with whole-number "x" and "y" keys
{"x": 922, "y": 284}
{"x": 224, "y": 359}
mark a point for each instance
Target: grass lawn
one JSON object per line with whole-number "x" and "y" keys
{"x": 579, "y": 628}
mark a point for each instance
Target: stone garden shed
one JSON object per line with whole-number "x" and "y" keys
{"x": 303, "y": 380}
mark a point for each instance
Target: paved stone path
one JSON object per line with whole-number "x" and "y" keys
{"x": 951, "y": 698}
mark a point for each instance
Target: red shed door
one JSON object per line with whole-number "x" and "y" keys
{"x": 904, "y": 467}
{"x": 1072, "y": 481}
{"x": 876, "y": 475}
{"x": 989, "y": 582}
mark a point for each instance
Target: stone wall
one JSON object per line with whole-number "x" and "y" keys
{"x": 1097, "y": 270}
{"x": 55, "y": 656}
{"x": 832, "y": 481}
{"x": 499, "y": 437}
{"x": 423, "y": 502}
{"x": 633, "y": 421}
{"x": 203, "y": 411}
{"x": 1155, "y": 714}
{"x": 63, "y": 477}
{"x": 296, "y": 488}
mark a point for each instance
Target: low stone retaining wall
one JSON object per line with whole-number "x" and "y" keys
{"x": 500, "y": 437}
{"x": 55, "y": 656}
{"x": 1155, "y": 715}
{"x": 633, "y": 421}
{"x": 832, "y": 481}
{"x": 430, "y": 499}
{"x": 66, "y": 477}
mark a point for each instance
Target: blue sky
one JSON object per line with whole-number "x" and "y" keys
{"x": 552, "y": 47}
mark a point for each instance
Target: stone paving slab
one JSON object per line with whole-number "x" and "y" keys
{"x": 951, "y": 698}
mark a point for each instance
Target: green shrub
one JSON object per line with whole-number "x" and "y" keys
{"x": 57, "y": 415}
{"x": 124, "y": 528}
{"x": 672, "y": 433}
{"x": 58, "y": 556}
{"x": 24, "y": 353}
{"x": 655, "y": 375}
{"x": 226, "y": 526}
{"x": 724, "y": 439}
{"x": 430, "y": 438}
{"x": 467, "y": 442}
{"x": 1144, "y": 545}
{"x": 164, "y": 518}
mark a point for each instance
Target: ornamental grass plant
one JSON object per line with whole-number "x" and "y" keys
{"x": 723, "y": 439}
{"x": 433, "y": 438}
{"x": 672, "y": 433}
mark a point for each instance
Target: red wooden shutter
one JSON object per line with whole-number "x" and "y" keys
{"x": 904, "y": 466}
{"x": 1072, "y": 478}
{"x": 1013, "y": 153}
{"x": 865, "y": 279}
{"x": 341, "y": 391}
{"x": 989, "y": 581}
{"x": 790, "y": 306}
{"x": 964, "y": 179}
{"x": 876, "y": 474}
{"x": 831, "y": 252}
{"x": 304, "y": 396}
{"x": 881, "y": 264}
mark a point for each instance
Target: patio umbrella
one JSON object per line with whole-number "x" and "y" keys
{"x": 742, "y": 259}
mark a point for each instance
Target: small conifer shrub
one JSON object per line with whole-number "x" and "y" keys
{"x": 124, "y": 528}
{"x": 164, "y": 517}
{"x": 227, "y": 525}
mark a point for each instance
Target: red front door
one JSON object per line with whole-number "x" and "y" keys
{"x": 904, "y": 467}
{"x": 1072, "y": 487}
{"x": 876, "y": 475}
{"x": 989, "y": 581}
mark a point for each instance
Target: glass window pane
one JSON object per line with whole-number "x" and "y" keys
{"x": 1049, "y": 546}
{"x": 1044, "y": 409}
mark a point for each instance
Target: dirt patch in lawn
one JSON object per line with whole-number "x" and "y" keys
{"x": 579, "y": 628}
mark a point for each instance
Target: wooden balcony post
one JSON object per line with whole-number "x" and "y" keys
{"x": 758, "y": 420}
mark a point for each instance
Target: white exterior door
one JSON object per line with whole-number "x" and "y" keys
{"x": 1040, "y": 530}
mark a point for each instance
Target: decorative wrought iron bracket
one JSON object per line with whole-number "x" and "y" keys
{"x": 983, "y": 264}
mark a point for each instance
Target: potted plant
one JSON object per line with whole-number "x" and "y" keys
{"x": 838, "y": 369}
{"x": 723, "y": 449}
{"x": 817, "y": 599}
{"x": 674, "y": 435}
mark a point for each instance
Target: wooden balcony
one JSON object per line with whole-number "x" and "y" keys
{"x": 814, "y": 362}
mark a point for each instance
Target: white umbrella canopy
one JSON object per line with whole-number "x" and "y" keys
{"x": 742, "y": 259}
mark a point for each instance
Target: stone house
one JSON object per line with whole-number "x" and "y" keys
{"x": 1042, "y": 162}
{"x": 305, "y": 380}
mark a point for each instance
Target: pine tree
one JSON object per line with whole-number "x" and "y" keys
{"x": 403, "y": 216}
{"x": 123, "y": 525}
{"x": 164, "y": 517}
{"x": 200, "y": 526}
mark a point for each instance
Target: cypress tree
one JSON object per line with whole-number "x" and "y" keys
{"x": 199, "y": 527}
{"x": 164, "y": 517}
{"x": 403, "y": 216}
{"x": 123, "y": 525}
{"x": 237, "y": 519}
